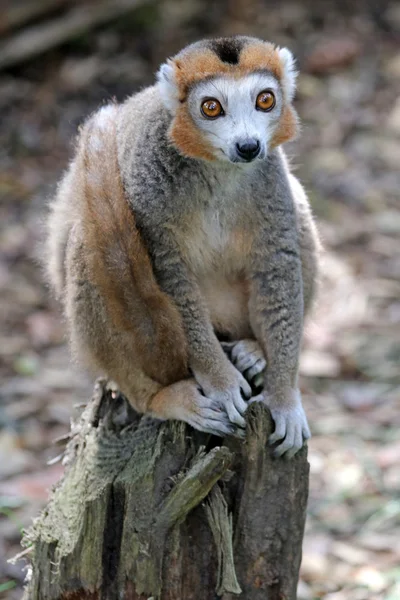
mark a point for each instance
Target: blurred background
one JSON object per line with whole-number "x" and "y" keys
{"x": 60, "y": 60}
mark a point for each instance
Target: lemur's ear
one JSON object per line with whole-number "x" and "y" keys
{"x": 289, "y": 73}
{"x": 168, "y": 86}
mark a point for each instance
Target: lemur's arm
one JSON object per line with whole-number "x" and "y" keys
{"x": 216, "y": 375}
{"x": 247, "y": 355}
{"x": 276, "y": 307}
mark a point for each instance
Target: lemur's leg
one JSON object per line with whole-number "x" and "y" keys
{"x": 117, "y": 353}
{"x": 248, "y": 358}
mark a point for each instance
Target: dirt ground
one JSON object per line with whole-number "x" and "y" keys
{"x": 348, "y": 157}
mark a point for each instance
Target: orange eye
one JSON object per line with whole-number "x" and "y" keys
{"x": 265, "y": 101}
{"x": 211, "y": 108}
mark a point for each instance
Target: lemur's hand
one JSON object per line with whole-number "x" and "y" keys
{"x": 290, "y": 423}
{"x": 226, "y": 386}
{"x": 249, "y": 359}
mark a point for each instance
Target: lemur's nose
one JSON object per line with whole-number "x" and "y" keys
{"x": 248, "y": 149}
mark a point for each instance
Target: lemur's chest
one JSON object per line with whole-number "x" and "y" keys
{"x": 218, "y": 242}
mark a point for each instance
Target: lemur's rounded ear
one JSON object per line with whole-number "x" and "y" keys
{"x": 168, "y": 85}
{"x": 289, "y": 73}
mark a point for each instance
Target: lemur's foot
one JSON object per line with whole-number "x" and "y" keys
{"x": 228, "y": 388}
{"x": 211, "y": 416}
{"x": 291, "y": 427}
{"x": 249, "y": 359}
{"x": 184, "y": 401}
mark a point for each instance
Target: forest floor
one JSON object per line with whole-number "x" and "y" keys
{"x": 348, "y": 157}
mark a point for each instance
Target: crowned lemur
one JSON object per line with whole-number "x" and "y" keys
{"x": 182, "y": 247}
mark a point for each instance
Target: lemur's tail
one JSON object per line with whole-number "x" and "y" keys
{"x": 117, "y": 259}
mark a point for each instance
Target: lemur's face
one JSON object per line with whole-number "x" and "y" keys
{"x": 230, "y": 99}
{"x": 237, "y": 117}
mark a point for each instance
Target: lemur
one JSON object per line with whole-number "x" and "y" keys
{"x": 184, "y": 249}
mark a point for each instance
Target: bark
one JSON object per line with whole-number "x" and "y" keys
{"x": 151, "y": 510}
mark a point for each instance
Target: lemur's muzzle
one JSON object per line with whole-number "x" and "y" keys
{"x": 249, "y": 149}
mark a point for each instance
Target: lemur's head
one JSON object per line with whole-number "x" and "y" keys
{"x": 230, "y": 98}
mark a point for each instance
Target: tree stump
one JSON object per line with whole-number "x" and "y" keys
{"x": 151, "y": 510}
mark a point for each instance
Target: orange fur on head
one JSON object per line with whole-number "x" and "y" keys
{"x": 192, "y": 68}
{"x": 260, "y": 56}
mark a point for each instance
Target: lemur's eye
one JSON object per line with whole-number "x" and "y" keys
{"x": 211, "y": 108}
{"x": 265, "y": 101}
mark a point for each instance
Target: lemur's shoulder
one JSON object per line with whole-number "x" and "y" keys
{"x": 141, "y": 113}
{"x": 142, "y": 130}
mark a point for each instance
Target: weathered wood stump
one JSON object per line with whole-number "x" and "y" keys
{"x": 151, "y": 510}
